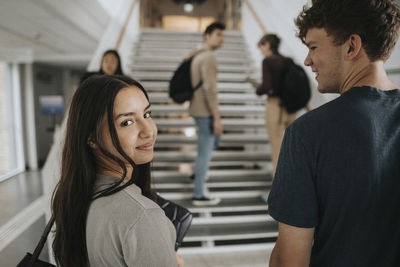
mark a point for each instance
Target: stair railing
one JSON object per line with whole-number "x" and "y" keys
{"x": 256, "y": 17}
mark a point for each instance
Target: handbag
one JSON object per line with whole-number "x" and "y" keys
{"x": 32, "y": 260}
{"x": 180, "y": 217}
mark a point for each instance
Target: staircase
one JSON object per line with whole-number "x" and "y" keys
{"x": 240, "y": 170}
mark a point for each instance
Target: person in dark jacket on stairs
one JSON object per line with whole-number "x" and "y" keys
{"x": 336, "y": 189}
{"x": 276, "y": 117}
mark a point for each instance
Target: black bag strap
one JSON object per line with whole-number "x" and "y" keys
{"x": 192, "y": 57}
{"x": 42, "y": 241}
{"x": 198, "y": 85}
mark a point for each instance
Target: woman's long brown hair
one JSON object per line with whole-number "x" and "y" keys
{"x": 75, "y": 190}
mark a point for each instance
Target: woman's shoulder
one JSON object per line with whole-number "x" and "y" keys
{"x": 134, "y": 194}
{"x": 123, "y": 212}
{"x": 128, "y": 202}
{"x": 129, "y": 218}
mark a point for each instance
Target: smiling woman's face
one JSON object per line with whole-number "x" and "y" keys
{"x": 135, "y": 128}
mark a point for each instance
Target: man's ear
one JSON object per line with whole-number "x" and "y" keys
{"x": 354, "y": 47}
{"x": 206, "y": 37}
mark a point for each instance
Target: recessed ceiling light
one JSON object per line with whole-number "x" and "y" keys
{"x": 188, "y": 8}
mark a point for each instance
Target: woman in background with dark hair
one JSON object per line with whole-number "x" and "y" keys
{"x": 103, "y": 208}
{"x": 110, "y": 64}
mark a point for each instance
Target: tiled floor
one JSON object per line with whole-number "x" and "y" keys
{"x": 26, "y": 242}
{"x": 18, "y": 192}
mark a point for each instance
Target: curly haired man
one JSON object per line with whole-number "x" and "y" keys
{"x": 336, "y": 190}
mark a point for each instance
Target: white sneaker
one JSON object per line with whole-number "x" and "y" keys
{"x": 205, "y": 201}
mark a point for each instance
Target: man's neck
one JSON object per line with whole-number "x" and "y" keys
{"x": 209, "y": 47}
{"x": 366, "y": 73}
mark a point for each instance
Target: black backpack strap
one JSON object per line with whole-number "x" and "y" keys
{"x": 198, "y": 85}
{"x": 42, "y": 241}
{"x": 195, "y": 54}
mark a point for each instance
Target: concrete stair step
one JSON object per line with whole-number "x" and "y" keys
{"x": 179, "y": 44}
{"x": 215, "y": 175}
{"x": 221, "y": 191}
{"x": 210, "y": 185}
{"x": 171, "y": 34}
{"x": 166, "y": 76}
{"x": 137, "y": 60}
{"x": 166, "y": 32}
{"x": 222, "y": 146}
{"x": 227, "y": 138}
{"x": 189, "y": 38}
{"x": 162, "y": 86}
{"x": 225, "y": 110}
{"x": 227, "y": 206}
{"x": 230, "y": 44}
{"x": 184, "y": 156}
{"x": 222, "y": 183}
{"x": 256, "y": 230}
{"x": 215, "y": 181}
{"x": 232, "y": 248}
{"x": 188, "y": 42}
{"x": 182, "y": 53}
{"x": 165, "y": 67}
{"x": 229, "y": 124}
{"x": 260, "y": 163}
{"x": 220, "y": 194}
{"x": 236, "y": 98}
{"x": 231, "y": 219}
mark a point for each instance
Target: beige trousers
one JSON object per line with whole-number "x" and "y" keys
{"x": 276, "y": 121}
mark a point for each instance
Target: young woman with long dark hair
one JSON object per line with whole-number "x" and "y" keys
{"x": 103, "y": 208}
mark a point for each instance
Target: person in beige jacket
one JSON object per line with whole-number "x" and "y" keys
{"x": 204, "y": 108}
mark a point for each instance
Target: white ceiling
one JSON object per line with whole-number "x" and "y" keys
{"x": 56, "y": 30}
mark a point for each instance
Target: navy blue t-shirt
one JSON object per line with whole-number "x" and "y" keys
{"x": 339, "y": 171}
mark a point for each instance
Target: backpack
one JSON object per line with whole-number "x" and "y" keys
{"x": 296, "y": 91}
{"x": 180, "y": 85}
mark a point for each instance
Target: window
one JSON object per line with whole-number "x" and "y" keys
{"x": 11, "y": 139}
{"x": 4, "y": 159}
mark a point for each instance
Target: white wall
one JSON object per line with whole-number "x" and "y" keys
{"x": 130, "y": 38}
{"x": 111, "y": 34}
{"x": 111, "y": 7}
{"x": 393, "y": 63}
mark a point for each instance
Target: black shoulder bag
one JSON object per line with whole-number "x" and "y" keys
{"x": 180, "y": 217}
{"x": 33, "y": 260}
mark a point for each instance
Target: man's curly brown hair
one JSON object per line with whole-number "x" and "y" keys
{"x": 375, "y": 21}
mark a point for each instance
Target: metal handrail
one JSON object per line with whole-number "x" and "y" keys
{"x": 256, "y": 17}
{"x": 123, "y": 29}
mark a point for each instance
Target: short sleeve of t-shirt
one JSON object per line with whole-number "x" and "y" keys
{"x": 150, "y": 242}
{"x": 293, "y": 199}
